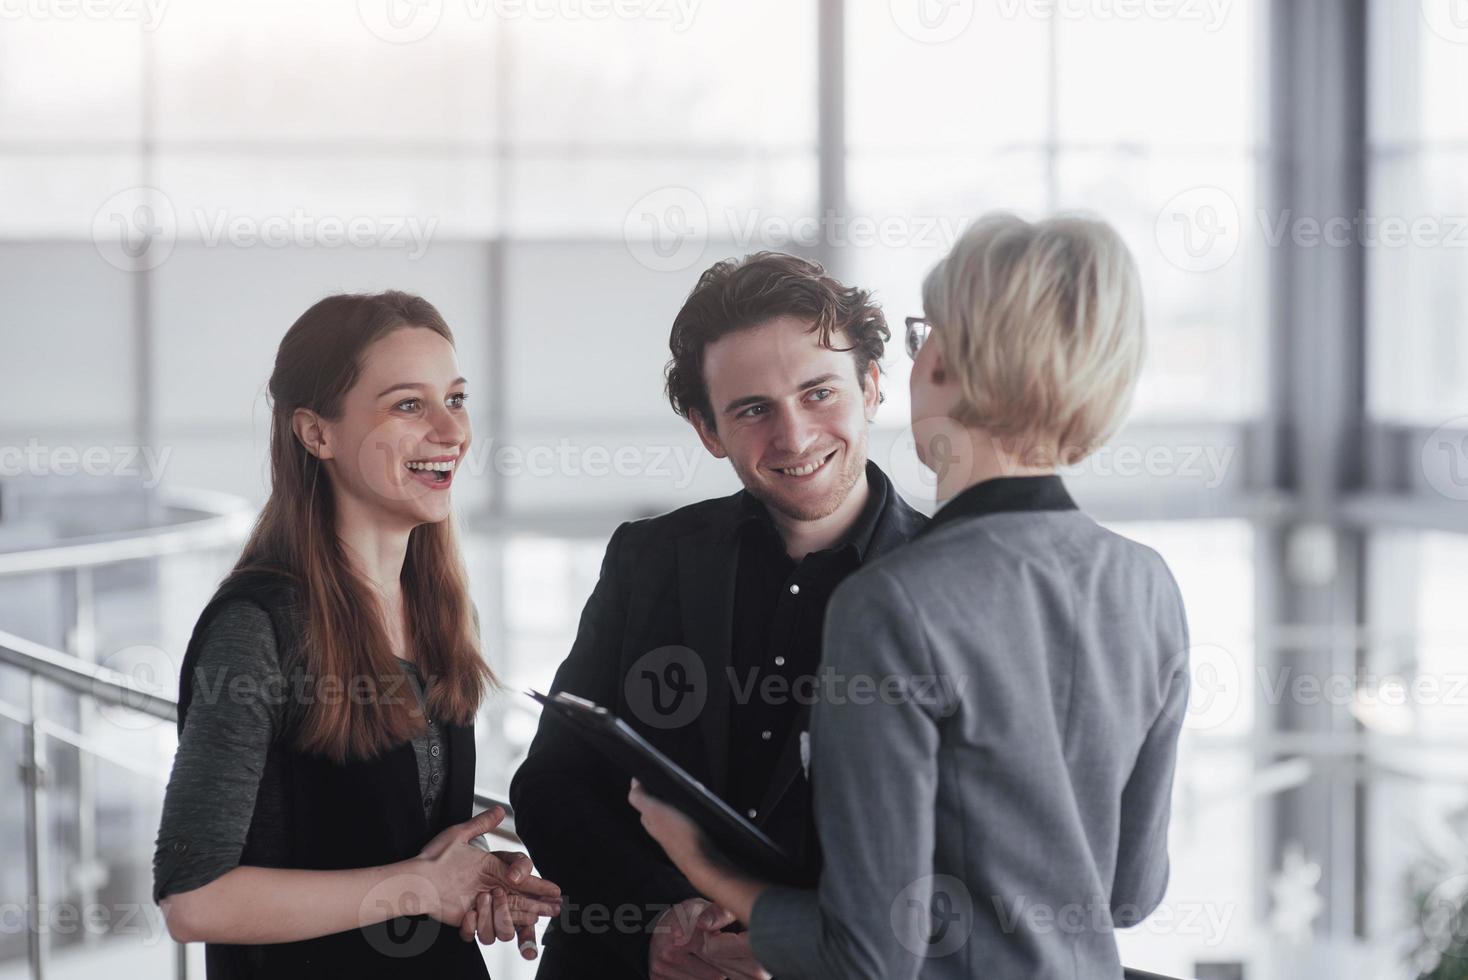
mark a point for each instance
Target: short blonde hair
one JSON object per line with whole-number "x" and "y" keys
{"x": 1042, "y": 326}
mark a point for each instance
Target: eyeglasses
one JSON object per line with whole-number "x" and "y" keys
{"x": 918, "y": 329}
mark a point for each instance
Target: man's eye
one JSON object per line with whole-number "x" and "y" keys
{"x": 824, "y": 393}
{"x": 751, "y": 411}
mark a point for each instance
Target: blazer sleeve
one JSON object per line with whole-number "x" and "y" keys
{"x": 1142, "y": 864}
{"x": 879, "y": 858}
{"x": 571, "y": 808}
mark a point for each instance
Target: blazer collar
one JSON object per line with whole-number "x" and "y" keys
{"x": 1005, "y": 493}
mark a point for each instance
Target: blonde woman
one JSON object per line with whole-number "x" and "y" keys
{"x": 317, "y": 821}
{"x": 997, "y": 803}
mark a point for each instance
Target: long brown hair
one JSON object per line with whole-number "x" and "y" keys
{"x": 345, "y": 643}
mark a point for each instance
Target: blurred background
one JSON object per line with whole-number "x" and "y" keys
{"x": 180, "y": 179}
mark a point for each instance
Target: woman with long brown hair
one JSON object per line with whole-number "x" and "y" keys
{"x": 317, "y": 820}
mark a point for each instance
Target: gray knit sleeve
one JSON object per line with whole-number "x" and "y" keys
{"x": 236, "y": 709}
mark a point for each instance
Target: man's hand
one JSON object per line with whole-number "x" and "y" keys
{"x": 678, "y": 938}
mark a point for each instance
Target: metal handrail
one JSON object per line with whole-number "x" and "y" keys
{"x": 41, "y": 663}
{"x": 221, "y": 519}
{"x": 110, "y": 687}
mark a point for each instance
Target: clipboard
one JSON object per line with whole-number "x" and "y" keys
{"x": 744, "y": 844}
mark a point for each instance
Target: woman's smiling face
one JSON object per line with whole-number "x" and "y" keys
{"x": 403, "y": 430}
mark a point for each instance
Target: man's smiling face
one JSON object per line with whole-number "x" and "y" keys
{"x": 790, "y": 414}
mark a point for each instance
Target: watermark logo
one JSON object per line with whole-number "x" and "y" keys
{"x": 1199, "y": 230}
{"x": 35, "y": 458}
{"x": 1445, "y": 459}
{"x": 667, "y": 688}
{"x": 945, "y": 457}
{"x": 152, "y": 671}
{"x": 667, "y": 230}
{"x": 1217, "y": 687}
{"x": 148, "y": 14}
{"x": 1448, "y": 19}
{"x": 933, "y": 916}
{"x": 932, "y": 21}
{"x": 135, "y": 229}
{"x": 1211, "y": 14}
{"x": 1444, "y": 918}
{"x": 400, "y": 21}
{"x": 398, "y": 932}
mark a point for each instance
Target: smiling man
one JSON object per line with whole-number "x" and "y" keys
{"x": 719, "y": 604}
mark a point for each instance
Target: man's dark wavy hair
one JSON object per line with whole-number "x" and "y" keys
{"x": 738, "y": 294}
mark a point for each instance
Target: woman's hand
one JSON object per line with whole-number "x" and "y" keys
{"x": 687, "y": 848}
{"x": 505, "y": 915}
{"x": 493, "y": 893}
{"x": 680, "y": 837}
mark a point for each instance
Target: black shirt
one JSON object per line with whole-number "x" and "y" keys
{"x": 779, "y": 611}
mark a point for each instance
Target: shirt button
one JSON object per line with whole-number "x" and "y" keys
{"x": 794, "y": 589}
{"x": 427, "y": 802}
{"x": 434, "y": 751}
{"x": 180, "y": 846}
{"x": 766, "y": 734}
{"x": 752, "y": 813}
{"x": 434, "y": 777}
{"x": 779, "y": 661}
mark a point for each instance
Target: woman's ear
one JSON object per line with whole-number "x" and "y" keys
{"x": 939, "y": 374}
{"x": 310, "y": 429}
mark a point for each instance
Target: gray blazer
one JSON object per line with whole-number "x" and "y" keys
{"x": 993, "y": 751}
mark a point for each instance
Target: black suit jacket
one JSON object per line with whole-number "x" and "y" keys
{"x": 666, "y": 582}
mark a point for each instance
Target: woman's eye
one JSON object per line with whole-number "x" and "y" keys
{"x": 457, "y": 401}
{"x": 406, "y": 402}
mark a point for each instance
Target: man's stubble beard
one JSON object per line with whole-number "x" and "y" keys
{"x": 854, "y": 464}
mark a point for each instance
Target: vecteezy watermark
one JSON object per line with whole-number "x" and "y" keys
{"x": 668, "y": 230}
{"x": 148, "y": 14}
{"x": 1362, "y": 688}
{"x": 1216, "y": 687}
{"x": 933, "y": 916}
{"x": 137, "y": 919}
{"x": 676, "y": 464}
{"x": 38, "y": 459}
{"x": 1210, "y": 14}
{"x": 932, "y": 21}
{"x": 150, "y": 671}
{"x": 136, "y": 229}
{"x": 407, "y": 21}
{"x": 950, "y": 455}
{"x": 394, "y": 916}
{"x": 1445, "y": 459}
{"x": 667, "y": 688}
{"x": 1448, "y": 19}
{"x": 1207, "y": 465}
{"x": 1444, "y": 920}
{"x": 1201, "y": 230}
{"x": 942, "y": 693}
{"x": 1207, "y": 922}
